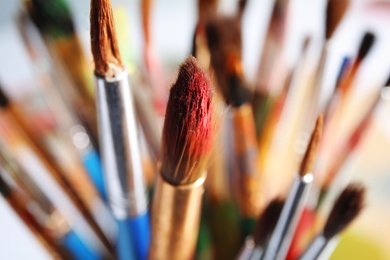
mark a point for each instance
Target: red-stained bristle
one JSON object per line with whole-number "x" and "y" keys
{"x": 188, "y": 127}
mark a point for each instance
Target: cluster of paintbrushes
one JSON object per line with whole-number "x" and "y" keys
{"x": 215, "y": 125}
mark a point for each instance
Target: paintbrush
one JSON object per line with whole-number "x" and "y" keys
{"x": 224, "y": 41}
{"x": 336, "y": 103}
{"x": 55, "y": 99}
{"x": 335, "y": 10}
{"x": 18, "y": 202}
{"x": 345, "y": 209}
{"x": 152, "y": 63}
{"x": 54, "y": 20}
{"x": 45, "y": 213}
{"x": 266, "y": 88}
{"x": 339, "y": 98}
{"x": 206, "y": 10}
{"x": 186, "y": 146}
{"x": 262, "y": 231}
{"x": 292, "y": 209}
{"x": 118, "y": 136}
{"x": 349, "y": 146}
{"x": 321, "y": 195}
{"x": 70, "y": 173}
{"x": 48, "y": 181}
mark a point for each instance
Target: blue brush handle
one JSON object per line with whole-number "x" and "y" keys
{"x": 78, "y": 248}
{"x": 140, "y": 229}
{"x": 94, "y": 168}
{"x": 125, "y": 244}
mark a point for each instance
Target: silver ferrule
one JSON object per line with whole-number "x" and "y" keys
{"x": 120, "y": 150}
{"x": 257, "y": 253}
{"x": 288, "y": 219}
{"x": 315, "y": 248}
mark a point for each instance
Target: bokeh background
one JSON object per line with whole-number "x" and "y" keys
{"x": 173, "y": 22}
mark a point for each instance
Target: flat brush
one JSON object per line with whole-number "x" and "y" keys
{"x": 281, "y": 237}
{"x": 264, "y": 227}
{"x": 118, "y": 136}
{"x": 345, "y": 209}
{"x": 186, "y": 146}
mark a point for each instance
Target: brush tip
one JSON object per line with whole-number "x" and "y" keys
{"x": 346, "y": 208}
{"x": 387, "y": 82}
{"x": 335, "y": 11}
{"x": 366, "y": 44}
{"x": 267, "y": 221}
{"x": 104, "y": 45}
{"x": 187, "y": 132}
{"x": 308, "y": 160}
{"x": 4, "y": 188}
{"x": 224, "y": 42}
{"x": 3, "y": 99}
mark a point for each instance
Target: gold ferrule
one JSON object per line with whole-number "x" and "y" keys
{"x": 175, "y": 220}
{"x": 248, "y": 177}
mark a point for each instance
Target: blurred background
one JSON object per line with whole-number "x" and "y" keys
{"x": 23, "y": 67}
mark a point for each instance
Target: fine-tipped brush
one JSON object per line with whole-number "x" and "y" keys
{"x": 54, "y": 20}
{"x": 118, "y": 136}
{"x": 186, "y": 145}
{"x": 292, "y": 209}
{"x": 343, "y": 88}
{"x": 265, "y": 89}
{"x": 345, "y": 209}
{"x": 263, "y": 229}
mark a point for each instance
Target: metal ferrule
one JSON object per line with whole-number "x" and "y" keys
{"x": 288, "y": 219}
{"x": 120, "y": 150}
{"x": 315, "y": 248}
{"x": 175, "y": 220}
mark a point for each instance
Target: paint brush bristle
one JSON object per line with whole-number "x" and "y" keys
{"x": 335, "y": 11}
{"x": 3, "y": 99}
{"x": 224, "y": 42}
{"x": 366, "y": 44}
{"x": 51, "y": 16}
{"x": 346, "y": 208}
{"x": 188, "y": 127}
{"x": 104, "y": 44}
{"x": 267, "y": 222}
{"x": 308, "y": 160}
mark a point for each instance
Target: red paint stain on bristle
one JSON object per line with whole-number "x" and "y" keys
{"x": 188, "y": 123}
